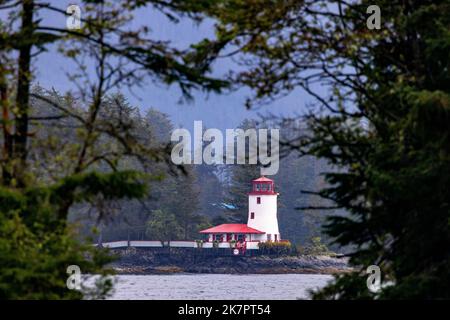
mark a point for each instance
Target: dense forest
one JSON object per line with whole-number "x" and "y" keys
{"x": 197, "y": 198}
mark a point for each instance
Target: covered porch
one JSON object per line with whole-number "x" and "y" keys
{"x": 225, "y": 235}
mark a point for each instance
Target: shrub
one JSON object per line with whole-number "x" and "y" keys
{"x": 316, "y": 248}
{"x": 275, "y": 248}
{"x": 199, "y": 243}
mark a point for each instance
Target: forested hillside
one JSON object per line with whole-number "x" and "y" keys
{"x": 191, "y": 199}
{"x": 196, "y": 197}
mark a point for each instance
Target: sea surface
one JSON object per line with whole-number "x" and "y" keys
{"x": 217, "y": 286}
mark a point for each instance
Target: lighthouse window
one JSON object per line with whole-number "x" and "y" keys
{"x": 257, "y": 187}
{"x": 252, "y": 215}
{"x": 270, "y": 187}
{"x": 264, "y": 187}
{"x": 258, "y": 200}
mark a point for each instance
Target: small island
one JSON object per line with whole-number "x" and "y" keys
{"x": 159, "y": 261}
{"x": 255, "y": 247}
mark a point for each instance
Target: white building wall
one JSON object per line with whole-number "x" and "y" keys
{"x": 259, "y": 237}
{"x": 265, "y": 216}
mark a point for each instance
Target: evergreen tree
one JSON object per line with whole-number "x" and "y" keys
{"x": 37, "y": 195}
{"x": 181, "y": 199}
{"x": 163, "y": 226}
{"x": 240, "y": 183}
{"x": 210, "y": 190}
{"x": 380, "y": 120}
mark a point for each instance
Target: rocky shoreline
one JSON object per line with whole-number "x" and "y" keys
{"x": 136, "y": 261}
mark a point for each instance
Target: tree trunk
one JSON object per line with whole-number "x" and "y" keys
{"x": 23, "y": 95}
{"x": 7, "y": 135}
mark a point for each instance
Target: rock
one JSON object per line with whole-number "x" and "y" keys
{"x": 137, "y": 260}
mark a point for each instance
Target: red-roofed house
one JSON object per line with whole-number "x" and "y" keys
{"x": 262, "y": 223}
{"x": 231, "y": 231}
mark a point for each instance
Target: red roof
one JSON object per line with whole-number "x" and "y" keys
{"x": 231, "y": 228}
{"x": 264, "y": 179}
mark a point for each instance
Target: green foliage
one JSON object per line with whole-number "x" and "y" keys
{"x": 37, "y": 246}
{"x": 315, "y": 248}
{"x": 295, "y": 174}
{"x": 297, "y": 220}
{"x": 240, "y": 184}
{"x": 163, "y": 226}
{"x": 182, "y": 200}
{"x": 83, "y": 155}
{"x": 380, "y": 120}
{"x": 82, "y": 187}
{"x": 199, "y": 243}
{"x": 275, "y": 248}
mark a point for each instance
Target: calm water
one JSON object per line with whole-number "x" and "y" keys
{"x": 217, "y": 286}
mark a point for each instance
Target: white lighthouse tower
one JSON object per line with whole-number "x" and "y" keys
{"x": 262, "y": 223}
{"x": 262, "y": 210}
